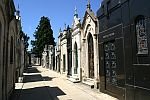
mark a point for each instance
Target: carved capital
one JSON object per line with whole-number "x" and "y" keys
{"x": 95, "y": 36}
{"x": 83, "y": 40}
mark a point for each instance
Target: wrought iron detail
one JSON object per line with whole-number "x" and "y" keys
{"x": 90, "y": 56}
{"x": 110, "y": 63}
{"x": 141, "y": 34}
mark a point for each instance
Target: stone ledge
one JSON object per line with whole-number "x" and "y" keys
{"x": 73, "y": 79}
{"x": 89, "y": 82}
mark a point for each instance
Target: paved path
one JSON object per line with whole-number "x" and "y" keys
{"x": 43, "y": 84}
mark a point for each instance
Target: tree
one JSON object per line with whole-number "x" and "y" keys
{"x": 43, "y": 36}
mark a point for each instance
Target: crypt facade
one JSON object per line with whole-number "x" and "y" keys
{"x": 89, "y": 48}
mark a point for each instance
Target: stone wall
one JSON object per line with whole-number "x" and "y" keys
{"x": 8, "y": 48}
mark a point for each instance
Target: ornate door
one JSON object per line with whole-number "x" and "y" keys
{"x": 76, "y": 58}
{"x": 91, "y": 56}
{"x": 110, "y": 65}
{"x": 69, "y": 62}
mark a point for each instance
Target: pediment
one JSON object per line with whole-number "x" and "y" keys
{"x": 88, "y": 18}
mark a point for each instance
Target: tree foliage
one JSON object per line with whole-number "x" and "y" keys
{"x": 43, "y": 36}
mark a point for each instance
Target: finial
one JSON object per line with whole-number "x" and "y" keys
{"x": 88, "y": 5}
{"x": 60, "y": 30}
{"x": 18, "y": 6}
{"x": 68, "y": 27}
{"x": 18, "y": 14}
{"x": 75, "y": 10}
{"x": 75, "y": 13}
{"x": 65, "y": 26}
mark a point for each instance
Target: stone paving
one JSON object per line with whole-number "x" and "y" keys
{"x": 43, "y": 84}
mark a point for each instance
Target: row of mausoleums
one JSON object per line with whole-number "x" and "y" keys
{"x": 76, "y": 53}
{"x": 110, "y": 51}
{"x": 12, "y": 48}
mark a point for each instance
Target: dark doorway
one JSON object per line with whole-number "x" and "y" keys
{"x": 76, "y": 58}
{"x": 69, "y": 62}
{"x": 58, "y": 63}
{"x": 90, "y": 56}
{"x": 64, "y": 63}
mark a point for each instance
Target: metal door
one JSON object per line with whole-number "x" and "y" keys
{"x": 76, "y": 58}
{"x": 91, "y": 56}
{"x": 110, "y": 65}
{"x": 69, "y": 62}
{"x": 64, "y": 63}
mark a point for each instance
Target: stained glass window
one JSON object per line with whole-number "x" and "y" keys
{"x": 141, "y": 35}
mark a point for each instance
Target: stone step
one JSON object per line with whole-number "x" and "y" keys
{"x": 73, "y": 79}
{"x": 89, "y": 82}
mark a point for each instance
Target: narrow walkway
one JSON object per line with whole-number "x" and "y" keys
{"x": 43, "y": 84}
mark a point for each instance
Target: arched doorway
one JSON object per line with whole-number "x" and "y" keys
{"x": 90, "y": 56}
{"x": 75, "y": 58}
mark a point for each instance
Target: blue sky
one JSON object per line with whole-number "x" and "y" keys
{"x": 58, "y": 11}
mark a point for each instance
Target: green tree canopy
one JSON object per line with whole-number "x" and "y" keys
{"x": 43, "y": 36}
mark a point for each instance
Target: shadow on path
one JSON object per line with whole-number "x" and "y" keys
{"x": 32, "y": 70}
{"x": 15, "y": 95}
{"x": 36, "y": 78}
{"x": 41, "y": 93}
{"x": 32, "y": 78}
{"x": 38, "y": 93}
{"x": 32, "y": 74}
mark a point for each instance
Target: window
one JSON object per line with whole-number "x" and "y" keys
{"x": 142, "y": 47}
{"x": 11, "y": 50}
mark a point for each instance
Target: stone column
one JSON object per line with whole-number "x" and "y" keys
{"x": 72, "y": 61}
{"x": 66, "y": 70}
{"x": 83, "y": 62}
{"x": 79, "y": 56}
{"x": 96, "y": 69}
